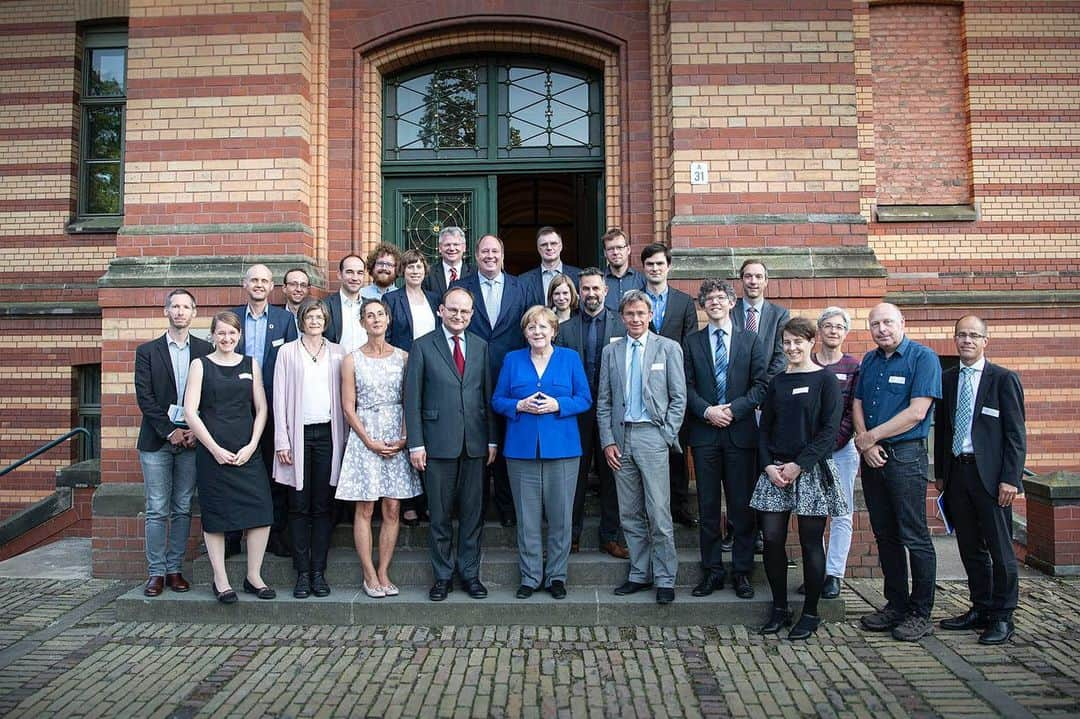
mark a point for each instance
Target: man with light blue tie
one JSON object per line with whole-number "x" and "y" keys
{"x": 642, "y": 398}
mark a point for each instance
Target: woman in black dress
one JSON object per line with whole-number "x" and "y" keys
{"x": 225, "y": 405}
{"x": 800, "y": 417}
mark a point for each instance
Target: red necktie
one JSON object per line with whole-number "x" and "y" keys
{"x": 453, "y": 274}
{"x": 459, "y": 359}
{"x": 751, "y": 319}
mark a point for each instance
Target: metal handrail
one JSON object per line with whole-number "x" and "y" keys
{"x": 46, "y": 447}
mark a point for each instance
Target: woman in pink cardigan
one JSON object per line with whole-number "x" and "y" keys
{"x": 309, "y": 440}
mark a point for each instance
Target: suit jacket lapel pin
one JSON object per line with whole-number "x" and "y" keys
{"x": 269, "y": 325}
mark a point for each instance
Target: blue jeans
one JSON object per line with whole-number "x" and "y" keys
{"x": 847, "y": 461}
{"x": 169, "y": 476}
{"x": 896, "y": 499}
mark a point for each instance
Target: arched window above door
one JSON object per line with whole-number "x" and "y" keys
{"x": 493, "y": 109}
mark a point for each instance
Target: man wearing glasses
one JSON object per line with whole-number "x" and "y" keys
{"x": 620, "y": 277}
{"x": 382, "y": 262}
{"x": 297, "y": 289}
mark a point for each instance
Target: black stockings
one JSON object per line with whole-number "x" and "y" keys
{"x": 774, "y": 527}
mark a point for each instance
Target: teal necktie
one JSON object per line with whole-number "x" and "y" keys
{"x": 965, "y": 405}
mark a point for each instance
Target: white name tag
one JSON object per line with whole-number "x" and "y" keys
{"x": 657, "y": 366}
{"x": 278, "y": 342}
{"x": 245, "y": 375}
{"x": 613, "y": 339}
{"x": 841, "y": 376}
{"x": 801, "y": 390}
{"x": 991, "y": 412}
{"x": 897, "y": 379}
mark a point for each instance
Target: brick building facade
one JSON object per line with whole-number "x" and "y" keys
{"x": 918, "y": 152}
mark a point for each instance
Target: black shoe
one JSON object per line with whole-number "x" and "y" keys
{"x": 557, "y": 589}
{"x": 805, "y": 627}
{"x": 524, "y": 592}
{"x": 882, "y": 620}
{"x": 711, "y": 582}
{"x": 319, "y": 587}
{"x": 743, "y": 588}
{"x": 440, "y": 589}
{"x": 683, "y": 517}
{"x": 665, "y": 595}
{"x": 302, "y": 590}
{"x": 226, "y": 597}
{"x": 410, "y": 522}
{"x": 971, "y": 619}
{"x": 263, "y": 592}
{"x": 779, "y": 619}
{"x": 998, "y": 631}
{"x": 831, "y": 589}
{"x": 629, "y": 587}
{"x": 759, "y": 543}
{"x": 474, "y": 588}
{"x": 233, "y": 547}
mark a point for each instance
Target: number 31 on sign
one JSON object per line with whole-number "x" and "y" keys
{"x": 699, "y": 173}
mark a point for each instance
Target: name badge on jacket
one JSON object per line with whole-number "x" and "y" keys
{"x": 657, "y": 366}
{"x": 278, "y": 342}
{"x": 800, "y": 390}
{"x": 897, "y": 379}
{"x": 991, "y": 412}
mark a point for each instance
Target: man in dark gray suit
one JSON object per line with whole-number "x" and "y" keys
{"x": 451, "y": 432}
{"x": 452, "y": 264}
{"x": 725, "y": 382}
{"x": 755, "y": 313}
{"x": 588, "y": 333}
{"x": 640, "y": 406}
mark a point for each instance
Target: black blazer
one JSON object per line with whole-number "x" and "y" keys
{"x": 445, "y": 412}
{"x": 680, "y": 317}
{"x": 280, "y": 328}
{"x": 506, "y": 335}
{"x": 770, "y": 330}
{"x": 572, "y": 335}
{"x": 155, "y": 388}
{"x": 747, "y": 381}
{"x": 332, "y": 333}
{"x": 998, "y": 433}
{"x": 435, "y": 279}
{"x": 400, "y": 332}
{"x": 533, "y": 281}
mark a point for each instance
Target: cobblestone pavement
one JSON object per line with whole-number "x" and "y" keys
{"x": 63, "y": 651}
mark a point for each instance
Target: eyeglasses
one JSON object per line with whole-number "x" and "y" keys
{"x": 829, "y": 327}
{"x": 613, "y": 248}
{"x": 385, "y": 264}
{"x": 454, "y": 312}
{"x": 974, "y": 336}
{"x": 294, "y": 285}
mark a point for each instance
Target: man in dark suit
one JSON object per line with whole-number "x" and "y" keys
{"x": 500, "y": 301}
{"x": 451, "y": 432}
{"x": 980, "y": 444}
{"x": 297, "y": 286}
{"x": 536, "y": 281}
{"x": 265, "y": 329}
{"x": 343, "y": 325}
{"x": 755, "y": 313}
{"x": 452, "y": 265}
{"x": 725, "y": 382}
{"x": 166, "y": 445}
{"x": 588, "y": 333}
{"x": 674, "y": 317}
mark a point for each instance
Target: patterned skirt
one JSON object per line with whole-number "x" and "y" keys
{"x": 807, "y": 496}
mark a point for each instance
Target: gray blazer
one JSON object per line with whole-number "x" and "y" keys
{"x": 770, "y": 331}
{"x": 664, "y": 390}
{"x": 445, "y": 412}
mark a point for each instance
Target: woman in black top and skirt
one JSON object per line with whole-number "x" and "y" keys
{"x": 800, "y": 417}
{"x": 225, "y": 405}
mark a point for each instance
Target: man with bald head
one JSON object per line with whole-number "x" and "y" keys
{"x": 898, "y": 383}
{"x": 265, "y": 329}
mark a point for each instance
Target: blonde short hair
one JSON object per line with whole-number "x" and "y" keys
{"x": 540, "y": 311}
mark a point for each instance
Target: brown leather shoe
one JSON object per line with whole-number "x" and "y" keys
{"x": 153, "y": 587}
{"x": 176, "y": 582}
{"x": 615, "y": 549}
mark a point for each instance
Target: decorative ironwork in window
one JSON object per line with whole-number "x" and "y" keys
{"x": 104, "y": 97}
{"x": 427, "y": 213}
{"x": 440, "y": 113}
{"x": 545, "y": 112}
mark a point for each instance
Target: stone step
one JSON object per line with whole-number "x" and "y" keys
{"x": 583, "y": 606}
{"x": 499, "y": 567}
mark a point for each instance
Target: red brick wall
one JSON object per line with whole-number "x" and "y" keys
{"x": 920, "y": 105}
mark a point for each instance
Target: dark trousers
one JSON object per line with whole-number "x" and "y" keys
{"x": 896, "y": 499}
{"x": 985, "y": 541}
{"x": 592, "y": 454}
{"x": 496, "y": 480}
{"x": 678, "y": 478}
{"x": 722, "y": 468}
{"x": 310, "y": 523}
{"x": 450, "y": 484}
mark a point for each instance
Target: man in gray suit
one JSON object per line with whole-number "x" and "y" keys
{"x": 642, "y": 398}
{"x": 756, "y": 314}
{"x": 451, "y": 431}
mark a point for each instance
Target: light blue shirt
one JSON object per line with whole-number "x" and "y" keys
{"x": 727, "y": 338}
{"x": 629, "y": 416}
{"x": 181, "y": 362}
{"x": 374, "y": 292}
{"x": 547, "y": 275}
{"x": 255, "y": 334}
{"x": 659, "y": 306}
{"x": 492, "y": 301}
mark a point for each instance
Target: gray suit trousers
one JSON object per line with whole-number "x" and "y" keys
{"x": 645, "y": 505}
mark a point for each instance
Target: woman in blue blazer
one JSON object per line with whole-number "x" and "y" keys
{"x": 413, "y": 310}
{"x": 540, "y": 391}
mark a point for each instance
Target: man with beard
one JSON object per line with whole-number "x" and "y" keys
{"x": 382, "y": 263}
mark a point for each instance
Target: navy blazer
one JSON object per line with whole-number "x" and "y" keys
{"x": 280, "y": 328}
{"x": 332, "y": 333}
{"x": 435, "y": 279}
{"x": 747, "y": 382}
{"x": 533, "y": 280}
{"x": 998, "y": 432}
{"x": 155, "y": 388}
{"x": 680, "y": 317}
{"x": 506, "y": 335}
{"x": 770, "y": 330}
{"x": 542, "y": 436}
{"x": 400, "y": 333}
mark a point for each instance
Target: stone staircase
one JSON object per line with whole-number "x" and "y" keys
{"x": 591, "y": 578}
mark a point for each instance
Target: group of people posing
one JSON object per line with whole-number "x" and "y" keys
{"x": 469, "y": 385}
